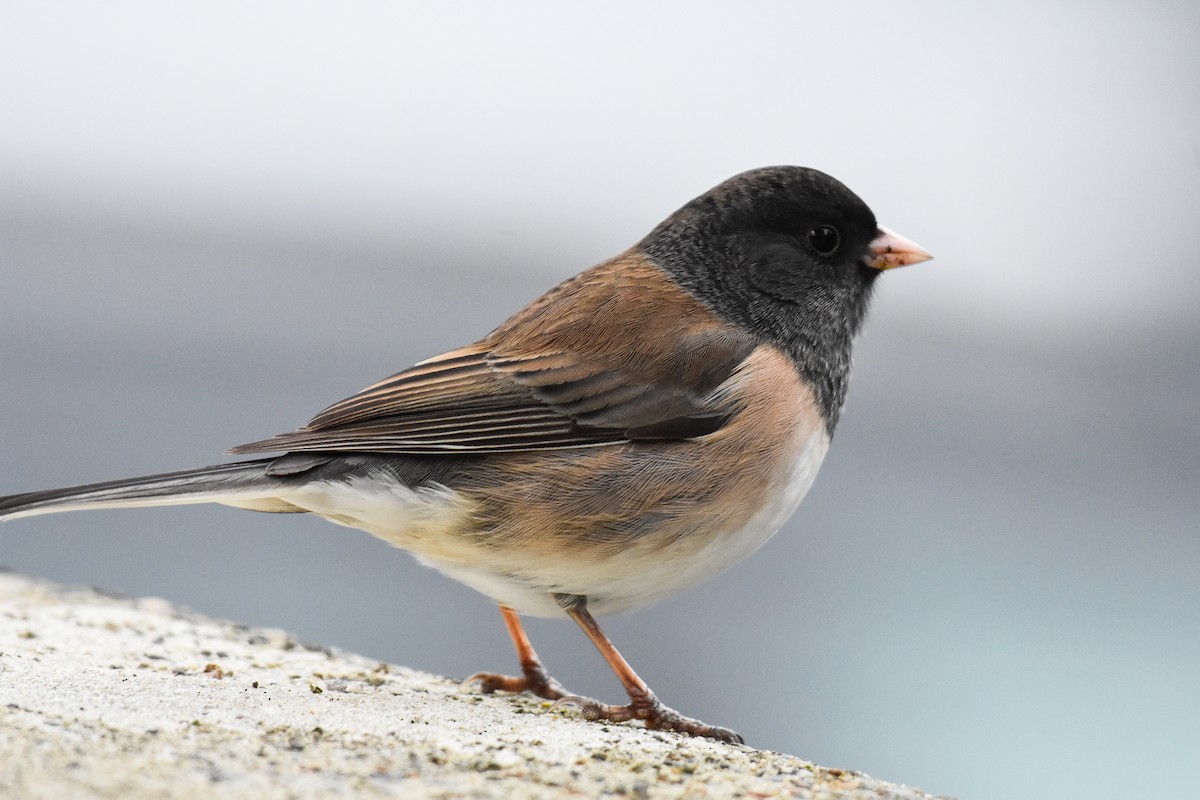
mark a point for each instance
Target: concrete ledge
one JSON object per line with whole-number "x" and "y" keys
{"x": 134, "y": 698}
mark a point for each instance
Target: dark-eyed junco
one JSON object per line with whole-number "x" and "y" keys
{"x": 628, "y": 434}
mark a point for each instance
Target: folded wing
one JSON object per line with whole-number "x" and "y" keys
{"x": 595, "y": 362}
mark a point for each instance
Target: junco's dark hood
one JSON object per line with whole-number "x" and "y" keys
{"x": 790, "y": 255}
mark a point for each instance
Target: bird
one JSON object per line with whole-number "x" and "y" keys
{"x": 630, "y": 433}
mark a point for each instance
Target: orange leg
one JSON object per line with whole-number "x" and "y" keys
{"x": 534, "y": 677}
{"x": 643, "y": 704}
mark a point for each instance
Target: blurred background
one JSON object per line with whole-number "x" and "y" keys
{"x": 216, "y": 218}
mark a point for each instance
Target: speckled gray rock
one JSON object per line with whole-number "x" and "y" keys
{"x": 134, "y": 698}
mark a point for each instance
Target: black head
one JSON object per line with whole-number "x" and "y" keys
{"x": 789, "y": 254}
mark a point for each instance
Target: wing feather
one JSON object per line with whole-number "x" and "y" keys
{"x": 553, "y": 376}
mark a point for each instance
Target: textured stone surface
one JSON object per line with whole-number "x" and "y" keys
{"x": 134, "y": 698}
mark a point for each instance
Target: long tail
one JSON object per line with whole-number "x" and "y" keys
{"x": 245, "y": 484}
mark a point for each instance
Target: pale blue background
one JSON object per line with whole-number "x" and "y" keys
{"x": 215, "y": 220}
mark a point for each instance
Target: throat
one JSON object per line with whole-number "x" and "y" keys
{"x": 828, "y": 372}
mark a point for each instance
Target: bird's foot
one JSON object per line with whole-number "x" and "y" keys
{"x": 650, "y": 710}
{"x": 534, "y": 679}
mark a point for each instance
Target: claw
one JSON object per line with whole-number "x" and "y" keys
{"x": 488, "y": 682}
{"x": 590, "y": 709}
{"x": 569, "y": 700}
{"x": 535, "y": 681}
{"x": 652, "y": 712}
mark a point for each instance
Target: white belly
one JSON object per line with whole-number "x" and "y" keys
{"x": 684, "y": 567}
{"x": 434, "y": 524}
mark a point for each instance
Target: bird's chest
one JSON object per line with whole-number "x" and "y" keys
{"x": 624, "y": 555}
{"x": 628, "y": 525}
{"x": 694, "y": 546}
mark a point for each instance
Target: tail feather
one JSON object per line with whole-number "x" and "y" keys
{"x": 246, "y": 484}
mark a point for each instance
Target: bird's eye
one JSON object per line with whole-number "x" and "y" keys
{"x": 824, "y": 239}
